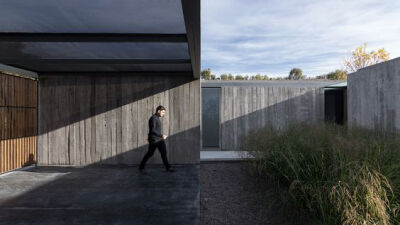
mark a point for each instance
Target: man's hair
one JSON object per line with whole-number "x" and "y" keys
{"x": 160, "y": 107}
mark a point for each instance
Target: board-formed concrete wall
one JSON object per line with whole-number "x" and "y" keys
{"x": 247, "y": 108}
{"x": 374, "y": 96}
{"x": 104, "y": 119}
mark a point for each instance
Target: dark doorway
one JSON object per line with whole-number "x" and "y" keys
{"x": 335, "y": 105}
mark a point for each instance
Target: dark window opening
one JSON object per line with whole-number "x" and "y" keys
{"x": 335, "y": 105}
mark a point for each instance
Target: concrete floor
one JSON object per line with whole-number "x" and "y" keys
{"x": 209, "y": 155}
{"x": 100, "y": 195}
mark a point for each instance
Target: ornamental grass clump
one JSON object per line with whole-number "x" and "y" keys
{"x": 339, "y": 175}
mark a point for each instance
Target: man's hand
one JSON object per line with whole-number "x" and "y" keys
{"x": 164, "y": 136}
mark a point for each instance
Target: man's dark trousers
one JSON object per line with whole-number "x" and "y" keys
{"x": 163, "y": 151}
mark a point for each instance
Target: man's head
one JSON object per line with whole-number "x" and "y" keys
{"x": 160, "y": 111}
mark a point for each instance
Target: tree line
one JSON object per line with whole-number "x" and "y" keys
{"x": 359, "y": 59}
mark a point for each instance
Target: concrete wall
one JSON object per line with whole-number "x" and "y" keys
{"x": 249, "y": 105}
{"x": 244, "y": 109}
{"x": 104, "y": 118}
{"x": 374, "y": 96}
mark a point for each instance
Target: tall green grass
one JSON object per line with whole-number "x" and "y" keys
{"x": 340, "y": 175}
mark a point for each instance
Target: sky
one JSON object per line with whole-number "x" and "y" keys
{"x": 273, "y": 36}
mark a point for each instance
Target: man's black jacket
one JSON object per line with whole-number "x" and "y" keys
{"x": 155, "y": 126}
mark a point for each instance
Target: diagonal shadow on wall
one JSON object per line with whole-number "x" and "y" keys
{"x": 245, "y": 109}
{"x": 90, "y": 119}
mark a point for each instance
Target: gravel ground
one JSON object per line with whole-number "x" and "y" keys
{"x": 230, "y": 195}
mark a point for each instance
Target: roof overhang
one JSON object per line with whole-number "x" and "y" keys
{"x": 130, "y": 36}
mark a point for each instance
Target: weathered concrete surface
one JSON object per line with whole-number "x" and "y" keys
{"x": 247, "y": 105}
{"x": 374, "y": 96}
{"x": 100, "y": 195}
{"x": 104, "y": 118}
{"x": 245, "y": 109}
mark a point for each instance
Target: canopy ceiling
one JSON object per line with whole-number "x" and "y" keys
{"x": 50, "y": 36}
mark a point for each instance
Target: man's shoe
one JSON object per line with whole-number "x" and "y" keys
{"x": 171, "y": 170}
{"x": 142, "y": 171}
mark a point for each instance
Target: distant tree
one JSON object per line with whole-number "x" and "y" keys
{"x": 224, "y": 76}
{"x": 256, "y": 77}
{"x": 295, "y": 74}
{"x": 337, "y": 75}
{"x": 207, "y": 75}
{"x": 259, "y": 77}
{"x": 230, "y": 77}
{"x": 321, "y": 76}
{"x": 360, "y": 58}
{"x": 239, "y": 77}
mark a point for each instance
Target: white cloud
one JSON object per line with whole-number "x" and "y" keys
{"x": 272, "y": 36}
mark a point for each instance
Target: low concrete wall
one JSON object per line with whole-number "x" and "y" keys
{"x": 374, "y": 96}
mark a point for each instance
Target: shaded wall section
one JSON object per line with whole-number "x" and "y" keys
{"x": 374, "y": 96}
{"x": 104, "y": 118}
{"x": 247, "y": 108}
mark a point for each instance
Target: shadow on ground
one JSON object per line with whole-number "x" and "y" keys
{"x": 100, "y": 194}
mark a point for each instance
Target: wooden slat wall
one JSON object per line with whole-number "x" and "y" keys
{"x": 104, "y": 119}
{"x": 18, "y": 122}
{"x": 244, "y": 109}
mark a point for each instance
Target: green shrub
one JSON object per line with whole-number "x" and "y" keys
{"x": 340, "y": 175}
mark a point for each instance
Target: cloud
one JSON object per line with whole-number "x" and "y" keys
{"x": 272, "y": 36}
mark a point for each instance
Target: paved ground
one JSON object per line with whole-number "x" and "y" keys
{"x": 100, "y": 195}
{"x": 209, "y": 155}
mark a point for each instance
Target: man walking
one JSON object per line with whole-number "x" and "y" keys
{"x": 156, "y": 140}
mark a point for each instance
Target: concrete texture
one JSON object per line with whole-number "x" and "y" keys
{"x": 373, "y": 96}
{"x": 224, "y": 155}
{"x": 244, "y": 109}
{"x": 248, "y": 105}
{"x": 104, "y": 118}
{"x": 100, "y": 195}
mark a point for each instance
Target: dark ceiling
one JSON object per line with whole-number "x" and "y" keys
{"x": 50, "y": 36}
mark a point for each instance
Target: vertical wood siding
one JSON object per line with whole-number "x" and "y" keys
{"x": 18, "y": 122}
{"x": 244, "y": 109}
{"x": 104, "y": 119}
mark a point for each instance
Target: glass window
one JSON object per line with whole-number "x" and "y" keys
{"x": 210, "y": 116}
